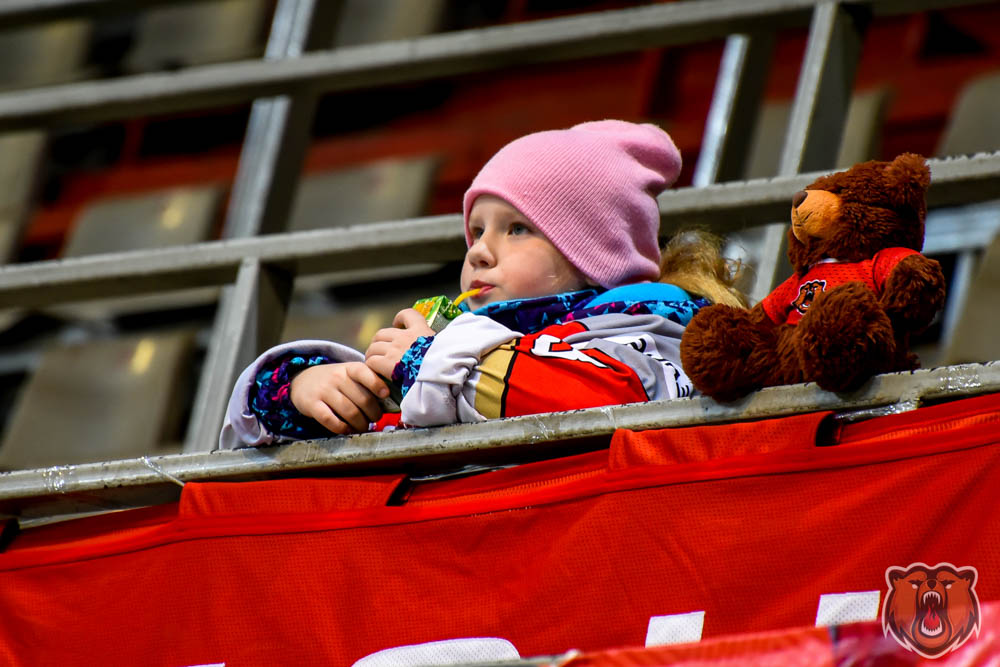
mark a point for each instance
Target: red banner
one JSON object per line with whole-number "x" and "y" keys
{"x": 856, "y": 644}
{"x": 713, "y": 530}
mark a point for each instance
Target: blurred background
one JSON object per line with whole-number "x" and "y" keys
{"x": 105, "y": 379}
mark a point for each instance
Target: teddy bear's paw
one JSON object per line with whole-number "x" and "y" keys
{"x": 845, "y": 338}
{"x": 914, "y": 292}
{"x": 725, "y": 354}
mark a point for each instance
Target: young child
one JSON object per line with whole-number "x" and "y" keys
{"x": 561, "y": 228}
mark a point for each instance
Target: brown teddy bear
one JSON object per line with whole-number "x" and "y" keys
{"x": 860, "y": 289}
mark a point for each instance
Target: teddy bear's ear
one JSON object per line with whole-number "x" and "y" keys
{"x": 907, "y": 179}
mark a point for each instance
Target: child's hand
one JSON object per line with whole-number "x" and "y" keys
{"x": 389, "y": 345}
{"x": 342, "y": 397}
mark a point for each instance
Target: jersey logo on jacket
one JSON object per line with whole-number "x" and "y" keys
{"x": 549, "y": 375}
{"x": 672, "y": 374}
{"x": 550, "y": 346}
{"x": 807, "y": 292}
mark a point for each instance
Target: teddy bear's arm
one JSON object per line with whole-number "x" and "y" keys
{"x": 728, "y": 352}
{"x": 913, "y": 293}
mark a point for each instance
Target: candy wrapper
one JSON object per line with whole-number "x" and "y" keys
{"x": 439, "y": 311}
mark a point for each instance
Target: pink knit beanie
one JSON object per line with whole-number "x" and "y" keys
{"x": 591, "y": 190}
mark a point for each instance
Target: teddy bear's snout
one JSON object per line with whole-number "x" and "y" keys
{"x": 798, "y": 198}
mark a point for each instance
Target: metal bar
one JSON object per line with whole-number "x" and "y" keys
{"x": 133, "y": 482}
{"x": 367, "y": 66}
{"x": 406, "y": 60}
{"x": 723, "y": 207}
{"x": 956, "y": 230}
{"x": 20, "y": 12}
{"x": 269, "y": 165}
{"x": 250, "y": 320}
{"x": 739, "y": 89}
{"x": 958, "y": 292}
{"x": 278, "y": 130}
{"x": 816, "y": 123}
{"x": 424, "y": 240}
{"x": 824, "y": 90}
{"x": 957, "y": 181}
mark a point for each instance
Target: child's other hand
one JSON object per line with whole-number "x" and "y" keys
{"x": 389, "y": 345}
{"x": 342, "y": 397}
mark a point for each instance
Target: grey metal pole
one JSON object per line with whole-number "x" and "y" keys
{"x": 270, "y": 163}
{"x": 817, "y": 118}
{"x": 250, "y": 318}
{"x": 739, "y": 88}
{"x": 278, "y": 130}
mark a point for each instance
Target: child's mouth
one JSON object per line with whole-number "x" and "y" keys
{"x": 482, "y": 288}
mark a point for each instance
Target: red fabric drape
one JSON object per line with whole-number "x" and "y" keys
{"x": 577, "y": 552}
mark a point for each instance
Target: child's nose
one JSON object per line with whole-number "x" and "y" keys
{"x": 480, "y": 254}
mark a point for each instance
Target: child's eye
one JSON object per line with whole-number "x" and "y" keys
{"x": 516, "y": 229}
{"x": 475, "y": 232}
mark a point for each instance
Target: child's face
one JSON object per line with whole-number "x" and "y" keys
{"x": 510, "y": 259}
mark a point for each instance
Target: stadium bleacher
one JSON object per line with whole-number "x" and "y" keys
{"x": 183, "y": 184}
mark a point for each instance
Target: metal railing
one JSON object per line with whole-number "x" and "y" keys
{"x": 110, "y": 485}
{"x": 259, "y": 272}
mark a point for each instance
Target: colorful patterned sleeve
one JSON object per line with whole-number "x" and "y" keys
{"x": 405, "y": 372}
{"x": 271, "y": 401}
{"x": 680, "y": 312}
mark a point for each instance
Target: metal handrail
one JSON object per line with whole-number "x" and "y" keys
{"x": 60, "y": 490}
{"x": 447, "y": 54}
{"x": 385, "y": 63}
{"x": 723, "y": 207}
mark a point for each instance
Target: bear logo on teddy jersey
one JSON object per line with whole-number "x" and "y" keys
{"x": 807, "y": 293}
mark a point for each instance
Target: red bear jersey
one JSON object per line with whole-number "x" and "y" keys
{"x": 790, "y": 301}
